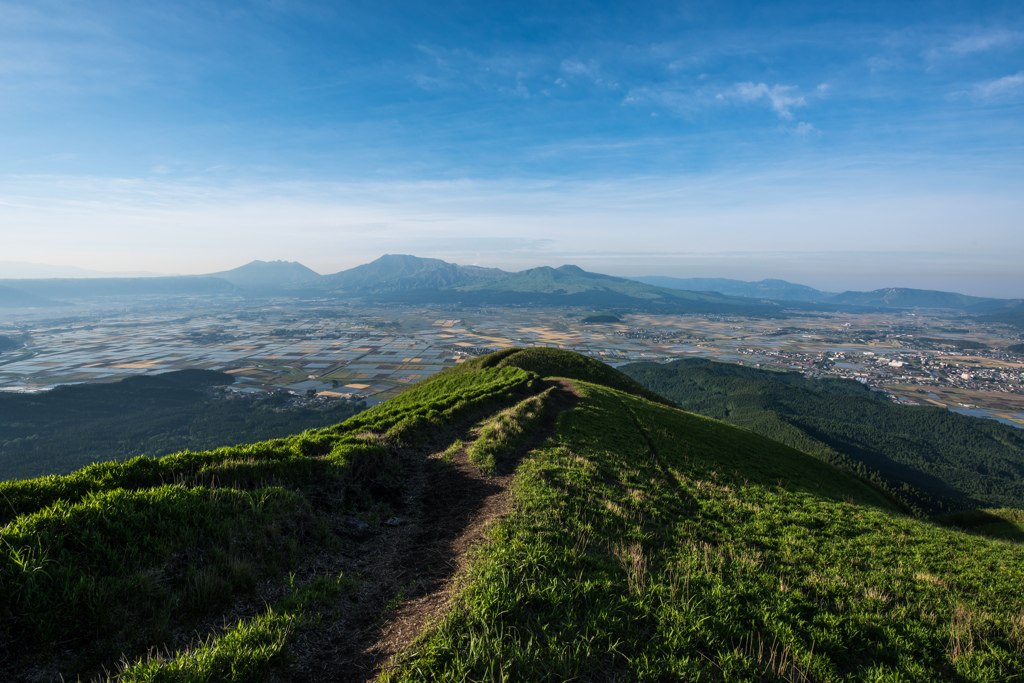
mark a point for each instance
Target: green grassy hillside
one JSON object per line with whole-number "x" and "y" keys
{"x": 596, "y": 535}
{"x": 555, "y": 363}
{"x": 649, "y": 544}
{"x": 934, "y": 459}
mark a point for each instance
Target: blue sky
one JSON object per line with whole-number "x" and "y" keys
{"x": 843, "y": 145}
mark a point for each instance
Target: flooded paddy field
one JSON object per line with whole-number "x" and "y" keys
{"x": 343, "y": 350}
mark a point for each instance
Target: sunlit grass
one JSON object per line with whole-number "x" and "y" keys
{"x": 644, "y": 543}
{"x": 649, "y": 544}
{"x": 120, "y": 558}
{"x": 508, "y": 430}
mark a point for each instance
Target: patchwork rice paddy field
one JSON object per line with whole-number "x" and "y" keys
{"x": 337, "y": 350}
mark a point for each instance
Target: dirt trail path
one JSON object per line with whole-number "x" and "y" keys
{"x": 416, "y": 564}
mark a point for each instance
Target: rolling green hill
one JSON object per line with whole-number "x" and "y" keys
{"x": 932, "y": 458}
{"x": 497, "y": 523}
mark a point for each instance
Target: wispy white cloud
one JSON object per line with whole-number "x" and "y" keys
{"x": 677, "y": 98}
{"x": 687, "y": 99}
{"x": 576, "y": 68}
{"x": 942, "y": 49}
{"x": 590, "y": 70}
{"x": 982, "y": 42}
{"x": 1007, "y": 87}
{"x": 520, "y": 89}
{"x": 882, "y": 63}
{"x": 781, "y": 98}
{"x": 510, "y": 74}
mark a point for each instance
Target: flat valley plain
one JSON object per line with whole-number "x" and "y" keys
{"x": 333, "y": 350}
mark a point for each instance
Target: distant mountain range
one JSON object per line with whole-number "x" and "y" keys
{"x": 408, "y": 279}
{"x": 764, "y": 289}
{"x": 399, "y": 278}
{"x": 891, "y": 297}
{"x": 902, "y": 297}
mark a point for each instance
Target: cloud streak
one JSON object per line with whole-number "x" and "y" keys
{"x": 983, "y": 42}
{"x": 1007, "y": 87}
{"x": 781, "y": 98}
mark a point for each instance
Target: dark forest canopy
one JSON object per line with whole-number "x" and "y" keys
{"x": 931, "y": 458}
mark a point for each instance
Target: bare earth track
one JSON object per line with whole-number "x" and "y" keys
{"x": 409, "y": 571}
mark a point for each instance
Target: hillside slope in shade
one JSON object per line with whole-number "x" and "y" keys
{"x": 934, "y": 459}
{"x": 69, "y": 427}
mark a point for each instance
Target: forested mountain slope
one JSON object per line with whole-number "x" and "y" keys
{"x": 497, "y": 523}
{"x": 932, "y": 458}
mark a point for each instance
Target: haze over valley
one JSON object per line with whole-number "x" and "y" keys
{"x": 365, "y": 334}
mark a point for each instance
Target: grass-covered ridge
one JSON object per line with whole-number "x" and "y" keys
{"x": 649, "y": 544}
{"x": 548, "y": 362}
{"x": 642, "y": 543}
{"x": 116, "y": 559}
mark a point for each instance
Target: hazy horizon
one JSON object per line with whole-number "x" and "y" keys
{"x": 834, "y": 145}
{"x": 706, "y": 266}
